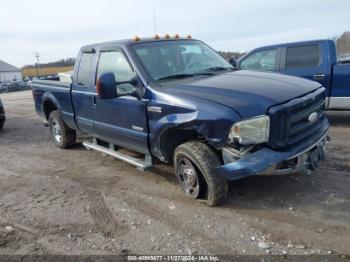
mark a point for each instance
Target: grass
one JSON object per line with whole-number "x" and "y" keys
{"x": 44, "y": 71}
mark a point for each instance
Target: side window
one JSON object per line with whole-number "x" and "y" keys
{"x": 85, "y": 69}
{"x": 261, "y": 60}
{"x": 115, "y": 62}
{"x": 303, "y": 56}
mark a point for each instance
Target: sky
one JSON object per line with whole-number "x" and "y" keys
{"x": 58, "y": 28}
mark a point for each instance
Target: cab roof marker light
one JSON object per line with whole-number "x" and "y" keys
{"x": 156, "y": 36}
{"x": 136, "y": 38}
{"x": 189, "y": 36}
{"x": 167, "y": 36}
{"x": 176, "y": 36}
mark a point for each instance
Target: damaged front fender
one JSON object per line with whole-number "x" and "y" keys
{"x": 192, "y": 117}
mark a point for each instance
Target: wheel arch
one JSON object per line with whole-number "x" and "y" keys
{"x": 49, "y": 104}
{"x": 173, "y": 137}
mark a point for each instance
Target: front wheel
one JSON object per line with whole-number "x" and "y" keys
{"x": 61, "y": 134}
{"x": 195, "y": 164}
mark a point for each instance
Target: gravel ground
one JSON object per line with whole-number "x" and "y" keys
{"x": 76, "y": 201}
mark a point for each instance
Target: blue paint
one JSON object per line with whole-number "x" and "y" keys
{"x": 330, "y": 73}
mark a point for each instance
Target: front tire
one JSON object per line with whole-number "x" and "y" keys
{"x": 61, "y": 134}
{"x": 195, "y": 164}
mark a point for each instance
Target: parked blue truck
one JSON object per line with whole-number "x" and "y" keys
{"x": 315, "y": 60}
{"x": 175, "y": 100}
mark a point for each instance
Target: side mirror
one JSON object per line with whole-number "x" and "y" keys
{"x": 106, "y": 86}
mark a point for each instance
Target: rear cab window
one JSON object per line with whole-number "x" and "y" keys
{"x": 302, "y": 56}
{"x": 85, "y": 69}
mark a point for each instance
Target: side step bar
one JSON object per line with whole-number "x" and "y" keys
{"x": 141, "y": 165}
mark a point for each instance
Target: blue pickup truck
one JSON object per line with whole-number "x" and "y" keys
{"x": 315, "y": 60}
{"x": 175, "y": 100}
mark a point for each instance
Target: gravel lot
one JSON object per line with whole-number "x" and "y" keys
{"x": 76, "y": 201}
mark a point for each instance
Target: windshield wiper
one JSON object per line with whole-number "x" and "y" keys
{"x": 219, "y": 68}
{"x": 183, "y": 75}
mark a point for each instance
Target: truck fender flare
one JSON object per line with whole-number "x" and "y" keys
{"x": 48, "y": 97}
{"x": 173, "y": 136}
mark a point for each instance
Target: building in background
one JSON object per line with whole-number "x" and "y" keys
{"x": 9, "y": 72}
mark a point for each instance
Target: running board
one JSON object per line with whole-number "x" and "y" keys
{"x": 141, "y": 165}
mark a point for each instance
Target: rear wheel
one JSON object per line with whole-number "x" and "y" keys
{"x": 195, "y": 164}
{"x": 61, "y": 134}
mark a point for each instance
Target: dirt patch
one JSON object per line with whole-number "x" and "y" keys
{"x": 81, "y": 202}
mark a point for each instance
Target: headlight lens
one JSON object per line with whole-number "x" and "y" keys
{"x": 252, "y": 131}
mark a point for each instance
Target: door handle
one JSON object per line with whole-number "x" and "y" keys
{"x": 94, "y": 100}
{"x": 319, "y": 77}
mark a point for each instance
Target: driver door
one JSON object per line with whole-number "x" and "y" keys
{"x": 121, "y": 120}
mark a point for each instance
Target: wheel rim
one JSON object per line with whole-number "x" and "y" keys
{"x": 187, "y": 174}
{"x": 56, "y": 131}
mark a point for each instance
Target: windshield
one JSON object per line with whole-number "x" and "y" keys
{"x": 181, "y": 58}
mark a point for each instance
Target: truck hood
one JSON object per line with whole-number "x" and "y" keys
{"x": 247, "y": 92}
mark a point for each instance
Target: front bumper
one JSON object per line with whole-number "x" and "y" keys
{"x": 267, "y": 161}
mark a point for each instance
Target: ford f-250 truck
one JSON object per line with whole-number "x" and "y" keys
{"x": 315, "y": 60}
{"x": 176, "y": 100}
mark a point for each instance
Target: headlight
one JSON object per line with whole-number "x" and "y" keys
{"x": 252, "y": 131}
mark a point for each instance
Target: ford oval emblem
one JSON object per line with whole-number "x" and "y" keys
{"x": 313, "y": 117}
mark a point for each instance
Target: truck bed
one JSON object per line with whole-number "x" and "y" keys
{"x": 57, "y": 91}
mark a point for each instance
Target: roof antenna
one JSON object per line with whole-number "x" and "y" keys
{"x": 155, "y": 22}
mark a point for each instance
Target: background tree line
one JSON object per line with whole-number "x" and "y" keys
{"x": 59, "y": 63}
